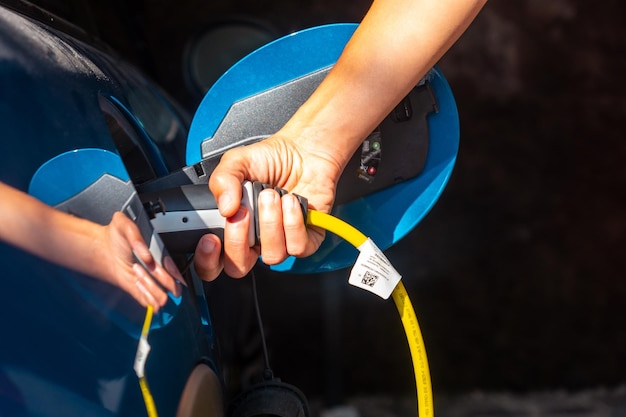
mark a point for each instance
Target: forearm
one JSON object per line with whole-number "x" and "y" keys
{"x": 30, "y": 225}
{"x": 393, "y": 48}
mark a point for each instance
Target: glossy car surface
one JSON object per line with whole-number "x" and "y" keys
{"x": 70, "y": 340}
{"x": 67, "y": 341}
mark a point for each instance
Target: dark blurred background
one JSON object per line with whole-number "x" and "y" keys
{"x": 518, "y": 274}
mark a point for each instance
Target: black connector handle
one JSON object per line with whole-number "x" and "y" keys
{"x": 257, "y": 187}
{"x": 183, "y": 214}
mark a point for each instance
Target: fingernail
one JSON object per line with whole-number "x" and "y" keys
{"x": 138, "y": 270}
{"x": 207, "y": 245}
{"x": 267, "y": 197}
{"x": 143, "y": 289}
{"x": 291, "y": 201}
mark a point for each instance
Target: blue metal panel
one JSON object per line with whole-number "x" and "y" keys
{"x": 386, "y": 216}
{"x": 389, "y": 215}
{"x": 278, "y": 62}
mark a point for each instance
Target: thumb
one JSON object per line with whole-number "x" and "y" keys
{"x": 226, "y": 187}
{"x": 235, "y": 166}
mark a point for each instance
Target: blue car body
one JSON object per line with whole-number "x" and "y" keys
{"x": 67, "y": 341}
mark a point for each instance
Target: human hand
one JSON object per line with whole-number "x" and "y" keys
{"x": 119, "y": 244}
{"x": 292, "y": 164}
{"x": 207, "y": 260}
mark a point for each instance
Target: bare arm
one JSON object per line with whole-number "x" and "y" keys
{"x": 397, "y": 42}
{"x": 104, "y": 252}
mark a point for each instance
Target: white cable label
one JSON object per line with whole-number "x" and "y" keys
{"x": 373, "y": 272}
{"x": 143, "y": 348}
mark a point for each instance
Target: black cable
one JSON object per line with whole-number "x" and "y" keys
{"x": 268, "y": 374}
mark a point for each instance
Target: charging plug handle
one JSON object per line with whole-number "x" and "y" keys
{"x": 257, "y": 187}
{"x": 185, "y": 213}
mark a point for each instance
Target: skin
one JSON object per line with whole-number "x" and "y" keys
{"x": 387, "y": 56}
{"x": 103, "y": 252}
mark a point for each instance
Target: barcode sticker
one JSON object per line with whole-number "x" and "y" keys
{"x": 373, "y": 272}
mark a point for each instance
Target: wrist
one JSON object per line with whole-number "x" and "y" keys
{"x": 313, "y": 132}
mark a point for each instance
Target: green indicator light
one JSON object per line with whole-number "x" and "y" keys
{"x": 376, "y": 146}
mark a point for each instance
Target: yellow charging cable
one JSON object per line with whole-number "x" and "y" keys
{"x": 400, "y": 298}
{"x": 403, "y": 305}
{"x": 143, "y": 349}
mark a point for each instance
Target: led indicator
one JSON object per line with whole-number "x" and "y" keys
{"x": 371, "y": 170}
{"x": 376, "y": 146}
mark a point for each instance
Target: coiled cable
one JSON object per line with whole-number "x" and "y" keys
{"x": 403, "y": 305}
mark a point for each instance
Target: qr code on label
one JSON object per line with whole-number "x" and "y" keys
{"x": 369, "y": 279}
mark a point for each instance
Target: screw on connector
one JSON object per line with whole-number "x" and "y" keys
{"x": 152, "y": 208}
